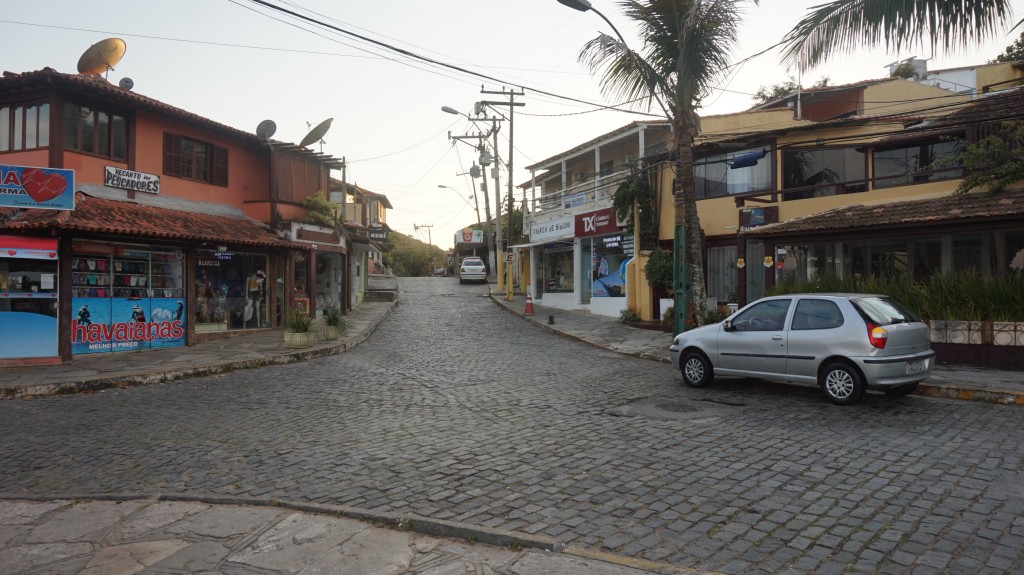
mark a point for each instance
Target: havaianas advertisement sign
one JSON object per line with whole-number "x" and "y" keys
{"x": 28, "y": 187}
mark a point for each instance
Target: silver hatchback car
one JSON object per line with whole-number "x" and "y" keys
{"x": 843, "y": 343}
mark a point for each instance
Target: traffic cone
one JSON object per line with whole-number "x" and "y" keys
{"x": 529, "y": 305}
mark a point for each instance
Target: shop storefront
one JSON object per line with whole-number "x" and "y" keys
{"x": 230, "y": 291}
{"x": 28, "y": 297}
{"x": 554, "y": 257}
{"x": 580, "y": 262}
{"x": 603, "y": 250}
{"x": 126, "y": 297}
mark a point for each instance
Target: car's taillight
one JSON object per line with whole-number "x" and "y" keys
{"x": 877, "y": 335}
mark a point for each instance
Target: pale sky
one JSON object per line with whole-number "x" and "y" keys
{"x": 238, "y": 63}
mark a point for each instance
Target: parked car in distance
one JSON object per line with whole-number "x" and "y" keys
{"x": 472, "y": 269}
{"x": 844, "y": 343}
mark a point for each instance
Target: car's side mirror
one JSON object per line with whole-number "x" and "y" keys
{"x": 727, "y": 324}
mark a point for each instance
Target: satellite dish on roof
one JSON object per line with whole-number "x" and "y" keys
{"x": 102, "y": 56}
{"x": 317, "y": 133}
{"x": 126, "y": 83}
{"x": 266, "y": 129}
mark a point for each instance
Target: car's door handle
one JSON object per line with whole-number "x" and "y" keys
{"x": 776, "y": 338}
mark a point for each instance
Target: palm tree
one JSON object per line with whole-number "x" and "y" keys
{"x": 841, "y": 26}
{"x": 687, "y": 46}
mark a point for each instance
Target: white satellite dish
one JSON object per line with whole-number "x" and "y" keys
{"x": 317, "y": 133}
{"x": 126, "y": 83}
{"x": 266, "y": 129}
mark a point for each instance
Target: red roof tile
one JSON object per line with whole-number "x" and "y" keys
{"x": 940, "y": 210}
{"x": 114, "y": 217}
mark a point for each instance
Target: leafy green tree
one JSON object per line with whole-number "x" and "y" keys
{"x": 1012, "y": 53}
{"x": 841, "y": 26}
{"x": 409, "y": 257}
{"x": 687, "y": 47}
{"x": 320, "y": 212}
{"x": 779, "y": 91}
{"x": 637, "y": 195}
{"x": 995, "y": 161}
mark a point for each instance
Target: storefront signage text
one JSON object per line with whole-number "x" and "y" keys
{"x": 552, "y": 230}
{"x": 27, "y": 187}
{"x": 596, "y": 223}
{"x": 114, "y": 334}
{"x": 130, "y": 180}
{"x": 379, "y": 233}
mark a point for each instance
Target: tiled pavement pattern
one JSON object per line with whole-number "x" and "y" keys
{"x": 457, "y": 410}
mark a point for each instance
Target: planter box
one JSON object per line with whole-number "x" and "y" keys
{"x": 299, "y": 339}
{"x": 332, "y": 332}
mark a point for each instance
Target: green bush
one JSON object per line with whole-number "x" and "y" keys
{"x": 669, "y": 316}
{"x": 299, "y": 322}
{"x": 963, "y": 295}
{"x": 628, "y": 315}
{"x": 333, "y": 317}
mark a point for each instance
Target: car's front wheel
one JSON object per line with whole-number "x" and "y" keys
{"x": 842, "y": 383}
{"x": 900, "y": 390}
{"x": 696, "y": 368}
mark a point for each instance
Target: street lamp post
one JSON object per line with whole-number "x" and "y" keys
{"x": 680, "y": 268}
{"x": 476, "y": 209}
{"x": 497, "y": 263}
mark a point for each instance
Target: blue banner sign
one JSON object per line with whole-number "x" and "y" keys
{"x": 28, "y": 187}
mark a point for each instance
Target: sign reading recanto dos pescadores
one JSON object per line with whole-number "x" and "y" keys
{"x": 28, "y": 187}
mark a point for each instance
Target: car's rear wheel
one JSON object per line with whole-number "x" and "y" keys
{"x": 696, "y": 368}
{"x": 841, "y": 383}
{"x": 900, "y": 390}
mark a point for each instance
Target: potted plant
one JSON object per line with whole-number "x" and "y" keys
{"x": 336, "y": 323}
{"x": 299, "y": 330}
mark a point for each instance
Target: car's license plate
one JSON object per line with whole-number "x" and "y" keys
{"x": 917, "y": 366}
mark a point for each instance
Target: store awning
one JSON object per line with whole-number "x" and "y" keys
{"x": 132, "y": 219}
{"x": 28, "y": 247}
{"x": 529, "y": 245}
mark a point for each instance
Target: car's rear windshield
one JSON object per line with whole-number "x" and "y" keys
{"x": 469, "y": 262}
{"x": 883, "y": 310}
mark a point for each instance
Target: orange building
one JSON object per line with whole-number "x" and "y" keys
{"x": 128, "y": 224}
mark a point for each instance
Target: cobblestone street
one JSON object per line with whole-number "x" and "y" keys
{"x": 457, "y": 410}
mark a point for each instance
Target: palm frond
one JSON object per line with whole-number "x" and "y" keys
{"x": 845, "y": 25}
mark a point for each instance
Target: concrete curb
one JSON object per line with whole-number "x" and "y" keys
{"x": 416, "y": 523}
{"x": 574, "y": 337}
{"x": 940, "y": 390}
{"x": 145, "y": 378}
{"x": 982, "y": 395}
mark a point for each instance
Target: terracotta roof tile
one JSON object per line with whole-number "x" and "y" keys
{"x": 113, "y": 217}
{"x": 933, "y": 210}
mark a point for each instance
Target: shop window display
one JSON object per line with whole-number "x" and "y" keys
{"x": 126, "y": 297}
{"x": 230, "y": 291}
{"x": 608, "y": 267}
{"x": 558, "y": 272}
{"x": 28, "y": 305}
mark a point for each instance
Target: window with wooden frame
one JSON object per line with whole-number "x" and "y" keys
{"x": 194, "y": 160}
{"x": 95, "y": 132}
{"x": 24, "y": 126}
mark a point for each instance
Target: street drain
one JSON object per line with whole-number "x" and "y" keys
{"x": 722, "y": 402}
{"x": 677, "y": 407}
{"x": 671, "y": 408}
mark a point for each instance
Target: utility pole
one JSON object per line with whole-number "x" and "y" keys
{"x": 430, "y": 242}
{"x": 474, "y": 173}
{"x": 508, "y": 164}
